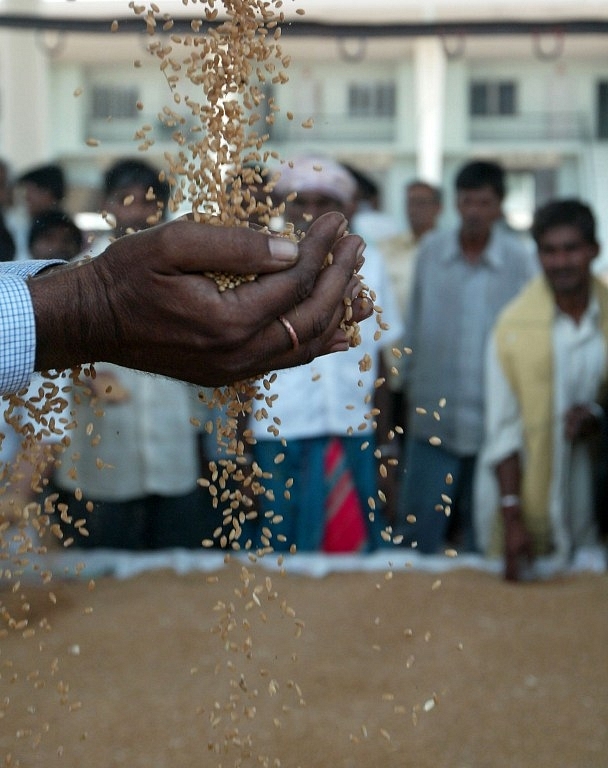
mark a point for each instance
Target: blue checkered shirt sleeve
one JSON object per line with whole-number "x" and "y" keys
{"x": 17, "y": 324}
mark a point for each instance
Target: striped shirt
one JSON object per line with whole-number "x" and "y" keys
{"x": 17, "y": 324}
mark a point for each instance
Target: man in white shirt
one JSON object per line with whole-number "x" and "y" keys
{"x": 329, "y": 402}
{"x": 546, "y": 373}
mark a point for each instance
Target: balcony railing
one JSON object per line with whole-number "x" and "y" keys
{"x": 531, "y": 126}
{"x": 121, "y": 130}
{"x": 325, "y": 127}
{"x": 333, "y": 127}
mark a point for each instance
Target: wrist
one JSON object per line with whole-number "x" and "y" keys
{"x": 510, "y": 508}
{"x": 66, "y": 316}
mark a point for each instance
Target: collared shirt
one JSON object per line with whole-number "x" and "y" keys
{"x": 453, "y": 307}
{"x": 331, "y": 395}
{"x": 17, "y": 324}
{"x": 579, "y": 362}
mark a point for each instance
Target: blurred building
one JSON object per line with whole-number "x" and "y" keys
{"x": 397, "y": 89}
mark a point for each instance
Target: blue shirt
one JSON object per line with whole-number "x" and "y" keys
{"x": 17, "y": 324}
{"x": 453, "y": 306}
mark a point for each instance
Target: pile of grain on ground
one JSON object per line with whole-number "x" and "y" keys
{"x": 414, "y": 670}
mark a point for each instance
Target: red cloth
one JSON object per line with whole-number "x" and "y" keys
{"x": 345, "y": 529}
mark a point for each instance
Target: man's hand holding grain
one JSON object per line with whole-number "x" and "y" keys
{"x": 146, "y": 303}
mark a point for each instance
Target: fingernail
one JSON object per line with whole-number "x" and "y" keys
{"x": 342, "y": 228}
{"x": 356, "y": 290}
{"x": 366, "y": 307}
{"x": 283, "y": 249}
{"x": 360, "y": 258}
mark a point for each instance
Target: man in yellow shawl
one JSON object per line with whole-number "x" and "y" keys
{"x": 546, "y": 376}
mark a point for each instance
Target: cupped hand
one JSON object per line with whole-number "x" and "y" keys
{"x": 146, "y": 303}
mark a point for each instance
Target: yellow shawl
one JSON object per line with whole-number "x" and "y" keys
{"x": 524, "y": 343}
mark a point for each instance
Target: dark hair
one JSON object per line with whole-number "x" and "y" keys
{"x": 127, "y": 173}
{"x": 482, "y": 173}
{"x": 366, "y": 186}
{"x": 48, "y": 177}
{"x": 569, "y": 212}
{"x": 434, "y": 190}
{"x": 49, "y": 220}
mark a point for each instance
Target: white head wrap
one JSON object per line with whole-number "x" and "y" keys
{"x": 318, "y": 174}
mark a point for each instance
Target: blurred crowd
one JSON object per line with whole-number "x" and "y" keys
{"x": 469, "y": 418}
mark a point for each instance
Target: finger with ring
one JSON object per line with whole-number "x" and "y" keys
{"x": 295, "y": 341}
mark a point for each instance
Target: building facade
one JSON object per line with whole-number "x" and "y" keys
{"x": 412, "y": 101}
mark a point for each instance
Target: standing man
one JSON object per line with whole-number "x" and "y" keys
{"x": 423, "y": 208}
{"x": 146, "y": 496}
{"x": 317, "y": 440}
{"x": 369, "y": 220}
{"x": 546, "y": 375}
{"x": 463, "y": 277}
{"x": 423, "y": 205}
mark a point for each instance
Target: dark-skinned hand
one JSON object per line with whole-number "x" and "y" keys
{"x": 146, "y": 303}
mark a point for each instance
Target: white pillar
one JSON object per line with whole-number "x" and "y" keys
{"x": 429, "y": 93}
{"x": 24, "y": 99}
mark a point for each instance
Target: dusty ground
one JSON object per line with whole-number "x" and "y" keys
{"x": 246, "y": 667}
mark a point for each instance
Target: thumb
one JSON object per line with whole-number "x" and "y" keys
{"x": 200, "y": 248}
{"x": 241, "y": 250}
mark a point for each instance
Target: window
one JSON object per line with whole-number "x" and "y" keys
{"x": 371, "y": 100}
{"x": 114, "y": 102}
{"x": 602, "y": 109}
{"x": 493, "y": 97}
